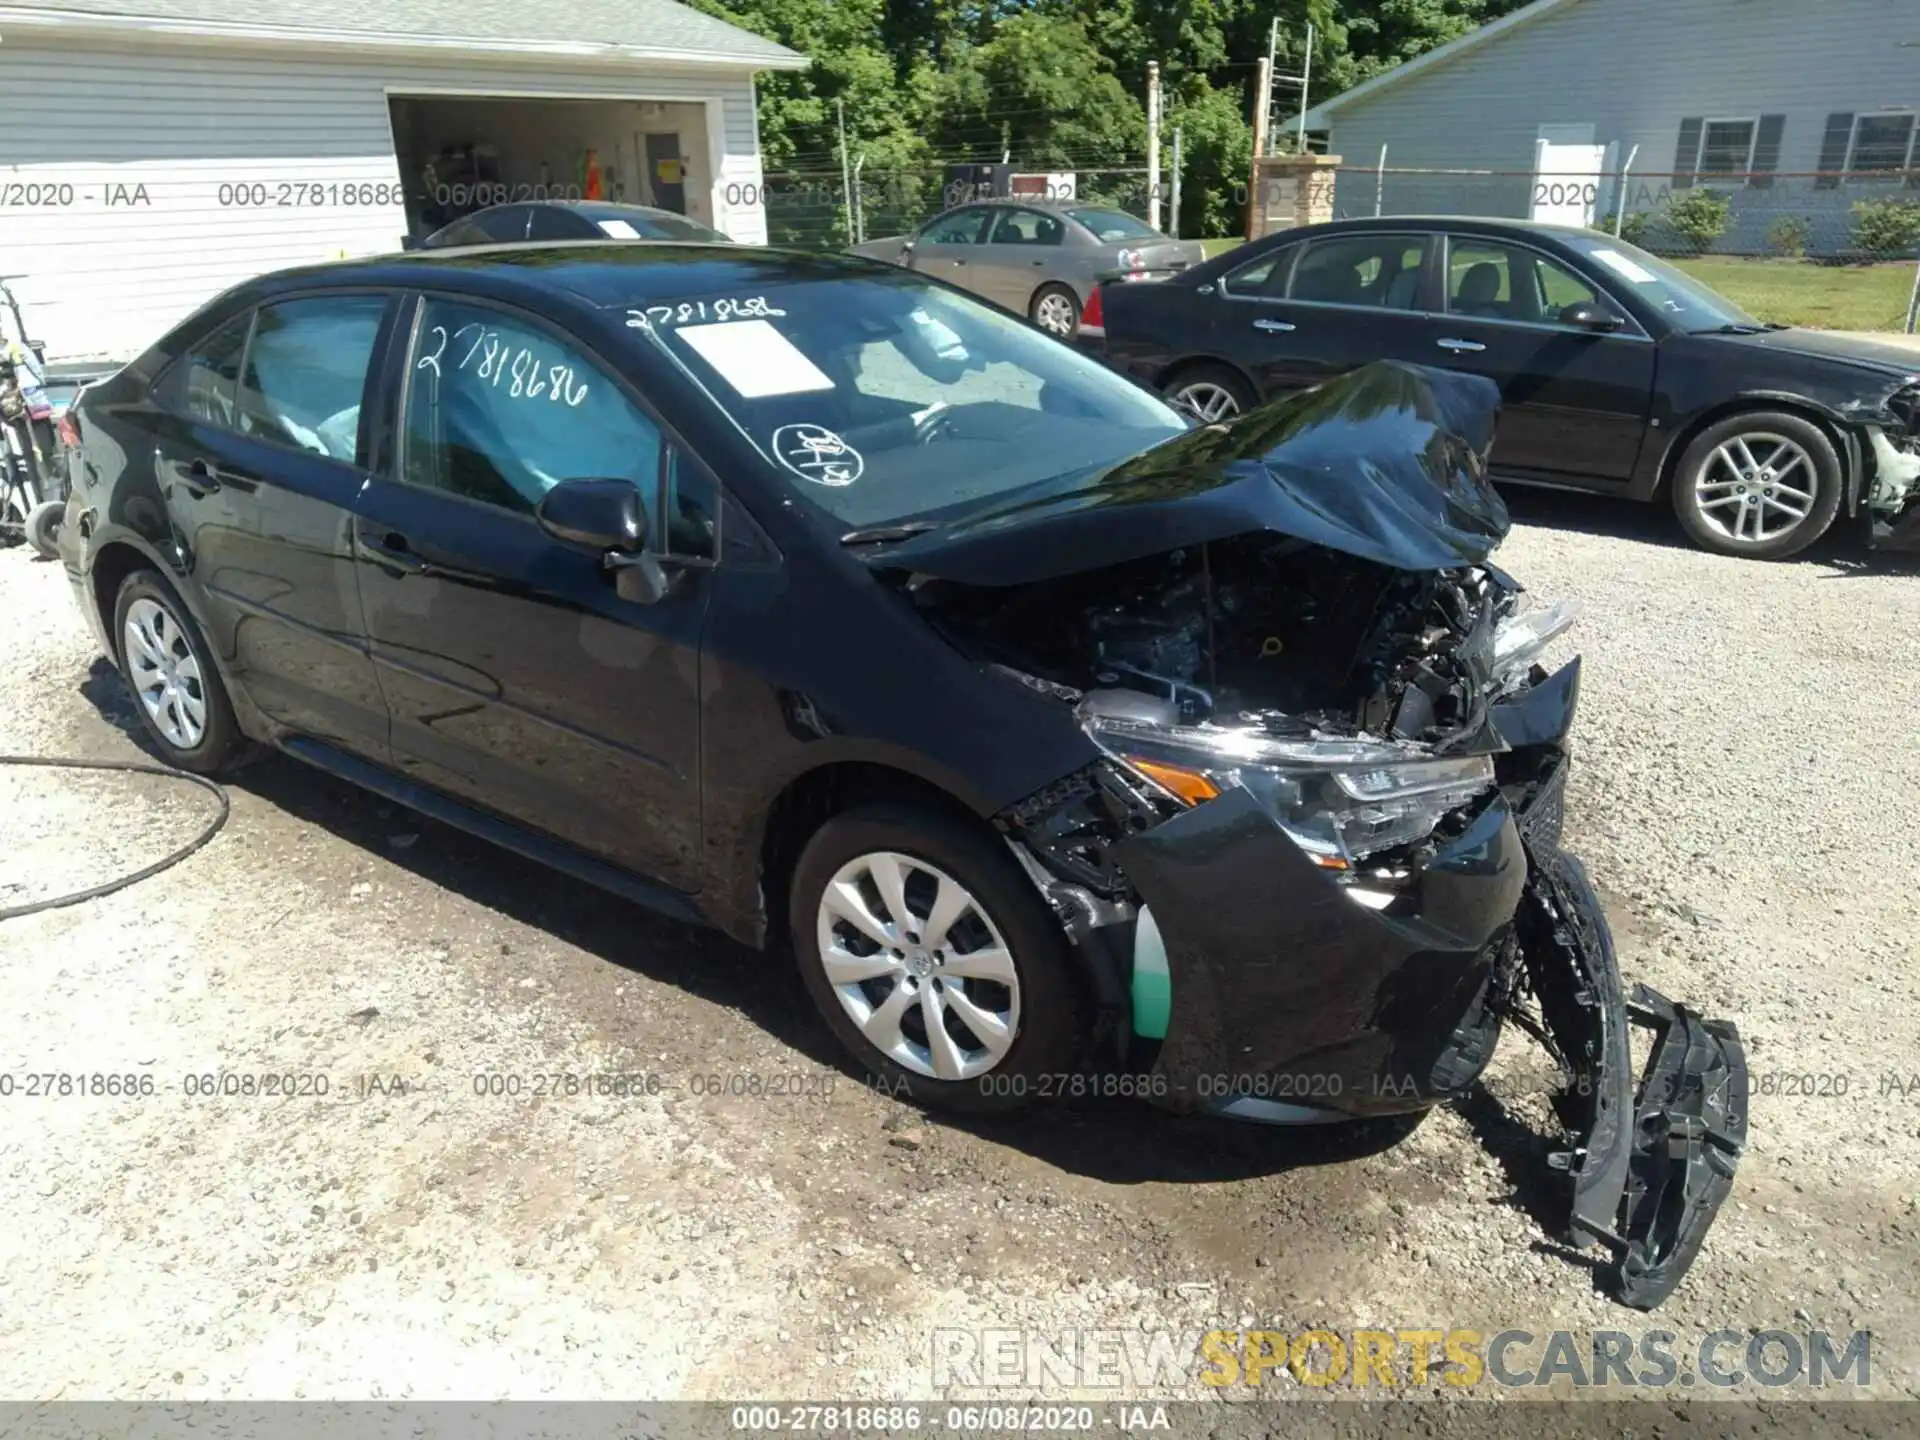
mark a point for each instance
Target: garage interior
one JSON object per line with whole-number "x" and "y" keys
{"x": 459, "y": 154}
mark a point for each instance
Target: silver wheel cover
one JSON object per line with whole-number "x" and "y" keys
{"x": 919, "y": 966}
{"x": 164, "y": 674}
{"x": 1054, "y": 314}
{"x": 1209, "y": 401}
{"x": 1757, "y": 487}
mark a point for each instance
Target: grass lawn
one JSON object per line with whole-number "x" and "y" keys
{"x": 1790, "y": 292}
{"x": 1822, "y": 297}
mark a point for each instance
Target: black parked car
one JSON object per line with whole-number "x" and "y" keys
{"x": 540, "y": 221}
{"x": 1620, "y": 373}
{"x": 1073, "y": 750}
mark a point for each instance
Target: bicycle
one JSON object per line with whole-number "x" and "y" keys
{"x": 32, "y": 489}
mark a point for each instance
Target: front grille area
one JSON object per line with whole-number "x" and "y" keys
{"x": 1545, "y": 817}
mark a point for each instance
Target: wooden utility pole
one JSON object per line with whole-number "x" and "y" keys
{"x": 1262, "y": 85}
{"x": 1153, "y": 143}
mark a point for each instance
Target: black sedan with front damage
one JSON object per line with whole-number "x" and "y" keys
{"x": 1620, "y": 373}
{"x": 815, "y": 600}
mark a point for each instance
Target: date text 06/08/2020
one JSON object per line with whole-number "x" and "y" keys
{"x": 855, "y": 1418}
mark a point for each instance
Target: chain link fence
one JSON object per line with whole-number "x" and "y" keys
{"x": 826, "y": 210}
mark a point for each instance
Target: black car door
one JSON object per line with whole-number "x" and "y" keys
{"x": 258, "y": 451}
{"x": 1300, "y": 315}
{"x": 1575, "y": 401}
{"x": 518, "y": 677}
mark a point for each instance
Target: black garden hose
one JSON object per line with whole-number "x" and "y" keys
{"x": 130, "y": 767}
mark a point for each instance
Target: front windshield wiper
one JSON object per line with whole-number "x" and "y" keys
{"x": 1736, "y": 329}
{"x": 881, "y": 534}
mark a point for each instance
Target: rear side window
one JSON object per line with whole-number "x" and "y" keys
{"x": 1027, "y": 227}
{"x": 961, "y": 227}
{"x": 1382, "y": 271}
{"x": 201, "y": 383}
{"x": 306, "y": 371}
{"x": 1265, "y": 277}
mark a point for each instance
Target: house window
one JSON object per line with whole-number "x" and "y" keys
{"x": 1726, "y": 147}
{"x": 1882, "y": 144}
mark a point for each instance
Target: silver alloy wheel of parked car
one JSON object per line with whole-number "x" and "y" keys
{"x": 165, "y": 674}
{"x": 1209, "y": 401}
{"x": 1757, "y": 487}
{"x": 919, "y": 966}
{"x": 1054, "y": 312}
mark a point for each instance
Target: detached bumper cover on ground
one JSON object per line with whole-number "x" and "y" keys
{"x": 1649, "y": 1171}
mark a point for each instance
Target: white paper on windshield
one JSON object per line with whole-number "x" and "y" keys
{"x": 1626, "y": 269}
{"x": 619, "y": 230}
{"x": 754, "y": 358}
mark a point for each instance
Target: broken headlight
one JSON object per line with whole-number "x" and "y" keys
{"x": 1520, "y": 640}
{"x": 1340, "y": 800}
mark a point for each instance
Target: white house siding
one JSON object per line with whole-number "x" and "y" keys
{"x": 108, "y": 268}
{"x": 1634, "y": 69}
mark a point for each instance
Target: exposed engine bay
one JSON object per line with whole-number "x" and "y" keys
{"x": 1259, "y": 630}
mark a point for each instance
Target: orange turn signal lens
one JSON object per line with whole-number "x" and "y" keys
{"x": 1190, "y": 785}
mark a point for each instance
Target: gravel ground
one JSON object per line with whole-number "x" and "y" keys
{"x": 1747, "y": 794}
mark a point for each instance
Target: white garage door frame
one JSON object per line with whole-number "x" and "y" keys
{"x": 712, "y": 106}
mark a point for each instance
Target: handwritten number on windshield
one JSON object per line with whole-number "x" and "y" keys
{"x": 744, "y": 307}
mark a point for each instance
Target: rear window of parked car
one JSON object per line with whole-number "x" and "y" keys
{"x": 306, "y": 369}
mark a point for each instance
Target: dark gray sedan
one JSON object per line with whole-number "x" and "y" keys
{"x": 1042, "y": 258}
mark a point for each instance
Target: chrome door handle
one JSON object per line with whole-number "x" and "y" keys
{"x": 1276, "y": 327}
{"x": 1458, "y": 347}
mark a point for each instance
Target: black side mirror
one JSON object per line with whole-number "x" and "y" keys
{"x": 1589, "y": 315}
{"x": 606, "y": 515}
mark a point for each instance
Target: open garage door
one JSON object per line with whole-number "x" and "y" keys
{"x": 461, "y": 153}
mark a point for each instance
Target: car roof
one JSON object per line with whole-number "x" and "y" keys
{"x": 590, "y": 209}
{"x": 603, "y": 274}
{"x": 1448, "y": 222}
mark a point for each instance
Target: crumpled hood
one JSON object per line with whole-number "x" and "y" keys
{"x": 1388, "y": 463}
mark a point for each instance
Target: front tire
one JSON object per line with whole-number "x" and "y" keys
{"x": 934, "y": 960}
{"x": 1763, "y": 485}
{"x": 176, "y": 691}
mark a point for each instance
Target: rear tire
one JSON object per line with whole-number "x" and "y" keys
{"x": 43, "y": 528}
{"x": 885, "y": 982}
{"x": 1761, "y": 485}
{"x": 1210, "y": 391}
{"x": 1056, "y": 310}
{"x": 177, "y": 692}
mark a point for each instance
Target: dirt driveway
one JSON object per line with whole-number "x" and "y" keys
{"x": 413, "y": 1221}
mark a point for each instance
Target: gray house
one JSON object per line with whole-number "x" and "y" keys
{"x": 154, "y": 152}
{"x": 1795, "y": 111}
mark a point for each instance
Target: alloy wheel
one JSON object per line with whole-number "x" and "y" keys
{"x": 1208, "y": 401}
{"x": 919, "y": 966}
{"x": 1054, "y": 314}
{"x": 165, "y": 673}
{"x": 1757, "y": 487}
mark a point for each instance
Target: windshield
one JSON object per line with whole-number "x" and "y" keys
{"x": 1684, "y": 300}
{"x": 882, "y": 398}
{"x": 1115, "y": 225}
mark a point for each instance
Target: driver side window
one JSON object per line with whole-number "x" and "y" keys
{"x": 501, "y": 410}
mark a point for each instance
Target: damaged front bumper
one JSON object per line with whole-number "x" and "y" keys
{"x": 1647, "y": 1170}
{"x": 1290, "y": 1002}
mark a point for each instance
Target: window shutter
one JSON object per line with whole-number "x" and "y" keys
{"x": 1833, "y": 151}
{"x": 1766, "y": 151}
{"x": 1686, "y": 154}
